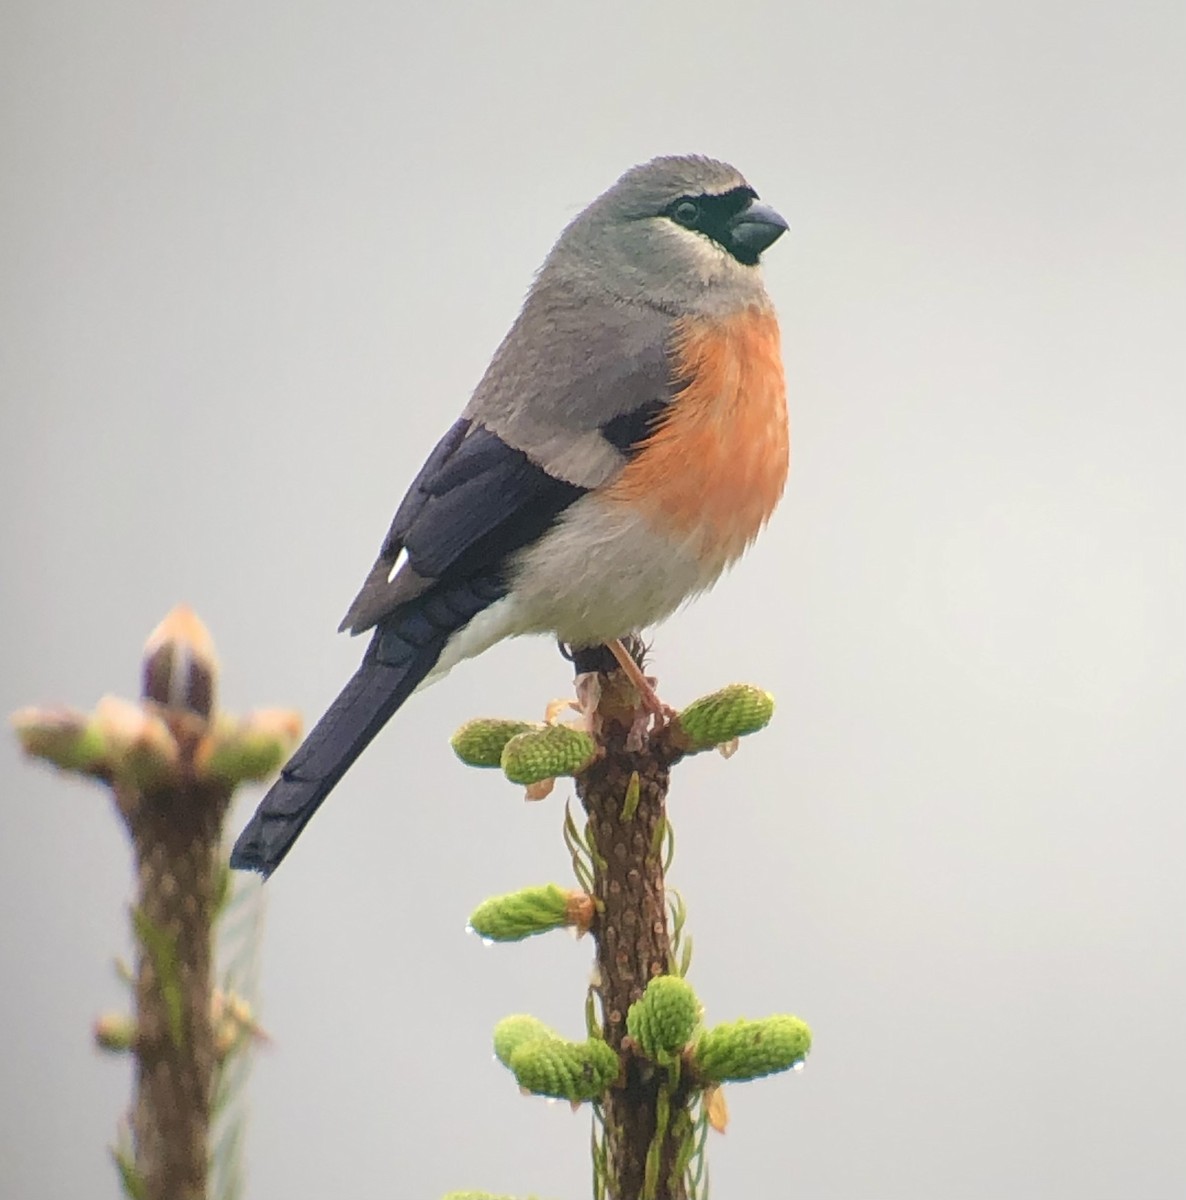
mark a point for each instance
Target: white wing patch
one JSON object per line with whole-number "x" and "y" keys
{"x": 400, "y": 559}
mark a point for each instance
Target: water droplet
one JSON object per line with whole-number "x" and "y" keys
{"x": 799, "y": 1065}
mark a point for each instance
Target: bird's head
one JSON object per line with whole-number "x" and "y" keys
{"x": 682, "y": 233}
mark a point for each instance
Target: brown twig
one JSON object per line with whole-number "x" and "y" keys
{"x": 176, "y": 836}
{"x": 631, "y": 930}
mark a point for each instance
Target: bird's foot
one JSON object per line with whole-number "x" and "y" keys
{"x": 652, "y": 707}
{"x": 633, "y": 699}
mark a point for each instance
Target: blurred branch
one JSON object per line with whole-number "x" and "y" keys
{"x": 172, "y": 763}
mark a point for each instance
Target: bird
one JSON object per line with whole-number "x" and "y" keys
{"x": 626, "y": 444}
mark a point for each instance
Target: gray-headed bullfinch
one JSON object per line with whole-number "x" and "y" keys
{"x": 626, "y": 444}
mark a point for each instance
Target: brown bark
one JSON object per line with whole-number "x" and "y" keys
{"x": 631, "y": 929}
{"x": 176, "y": 838}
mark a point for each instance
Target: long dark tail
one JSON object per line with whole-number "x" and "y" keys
{"x": 404, "y": 649}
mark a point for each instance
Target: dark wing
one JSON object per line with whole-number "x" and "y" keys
{"x": 475, "y": 502}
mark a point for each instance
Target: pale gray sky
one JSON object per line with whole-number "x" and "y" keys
{"x": 253, "y": 258}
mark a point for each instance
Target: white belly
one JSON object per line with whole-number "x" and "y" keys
{"x": 599, "y": 574}
{"x": 602, "y": 573}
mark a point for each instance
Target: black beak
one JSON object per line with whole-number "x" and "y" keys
{"x": 753, "y": 230}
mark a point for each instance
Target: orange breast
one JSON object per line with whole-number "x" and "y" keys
{"x": 716, "y": 464}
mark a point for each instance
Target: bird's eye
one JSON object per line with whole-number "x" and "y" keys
{"x": 686, "y": 213}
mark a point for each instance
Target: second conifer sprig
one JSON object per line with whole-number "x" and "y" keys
{"x": 649, "y": 1068}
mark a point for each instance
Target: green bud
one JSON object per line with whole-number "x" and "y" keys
{"x": 744, "y": 1049}
{"x": 129, "y": 1175}
{"x": 663, "y": 1019}
{"x": 520, "y": 914}
{"x": 481, "y": 1196}
{"x": 140, "y": 747}
{"x": 512, "y": 1032}
{"x": 714, "y": 720}
{"x": 180, "y": 669}
{"x": 480, "y": 743}
{"x": 546, "y": 753}
{"x": 477, "y": 1195}
{"x": 69, "y": 740}
{"x": 572, "y": 1071}
{"x": 248, "y": 750}
{"x": 115, "y": 1032}
{"x": 234, "y": 1023}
